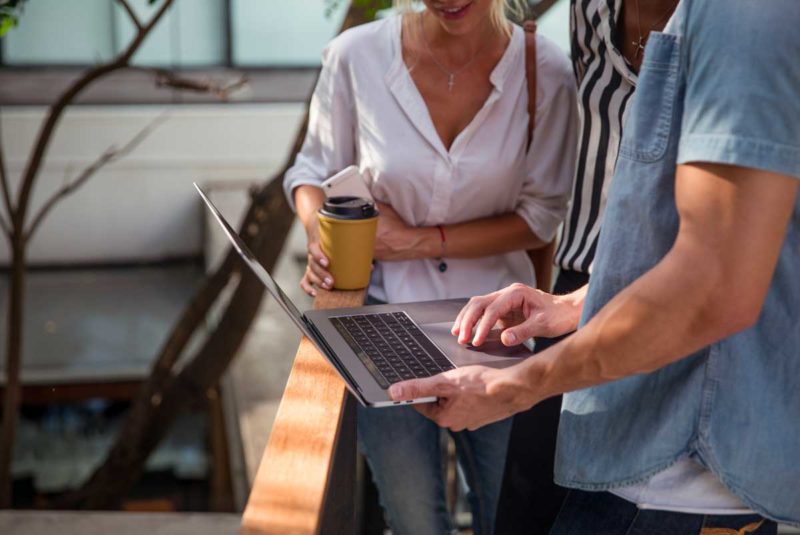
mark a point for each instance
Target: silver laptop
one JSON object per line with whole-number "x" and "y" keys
{"x": 372, "y": 347}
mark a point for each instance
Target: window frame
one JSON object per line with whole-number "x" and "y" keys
{"x": 226, "y": 63}
{"x": 269, "y": 83}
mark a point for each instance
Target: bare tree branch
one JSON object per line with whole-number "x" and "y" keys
{"x": 110, "y": 155}
{"x": 5, "y": 186}
{"x": 4, "y": 227}
{"x": 143, "y": 33}
{"x": 264, "y": 229}
{"x": 219, "y": 88}
{"x": 58, "y": 107}
{"x": 131, "y": 13}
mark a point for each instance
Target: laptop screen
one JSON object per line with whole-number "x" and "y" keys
{"x": 256, "y": 266}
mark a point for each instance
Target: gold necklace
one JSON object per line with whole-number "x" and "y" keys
{"x": 451, "y": 75}
{"x": 642, "y": 40}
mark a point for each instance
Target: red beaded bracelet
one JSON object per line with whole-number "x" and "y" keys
{"x": 442, "y": 263}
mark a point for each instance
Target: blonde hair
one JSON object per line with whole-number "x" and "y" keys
{"x": 499, "y": 11}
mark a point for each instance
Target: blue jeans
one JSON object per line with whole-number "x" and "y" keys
{"x": 530, "y": 500}
{"x": 603, "y": 513}
{"x": 402, "y": 448}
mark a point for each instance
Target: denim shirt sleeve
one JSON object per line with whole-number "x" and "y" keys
{"x": 742, "y": 104}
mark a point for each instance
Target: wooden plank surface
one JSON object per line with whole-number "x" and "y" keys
{"x": 289, "y": 495}
{"x": 116, "y": 523}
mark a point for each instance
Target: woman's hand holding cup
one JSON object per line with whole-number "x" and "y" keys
{"x": 317, "y": 274}
{"x": 345, "y": 238}
{"x": 353, "y": 236}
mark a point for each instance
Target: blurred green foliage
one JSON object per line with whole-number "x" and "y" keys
{"x": 10, "y": 11}
{"x": 372, "y": 6}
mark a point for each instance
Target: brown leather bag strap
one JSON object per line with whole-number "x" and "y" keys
{"x": 530, "y": 74}
{"x": 541, "y": 258}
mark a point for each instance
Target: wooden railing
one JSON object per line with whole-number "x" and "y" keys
{"x": 306, "y": 481}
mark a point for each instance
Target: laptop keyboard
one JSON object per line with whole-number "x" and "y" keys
{"x": 391, "y": 346}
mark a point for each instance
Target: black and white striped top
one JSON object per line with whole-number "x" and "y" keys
{"x": 605, "y": 84}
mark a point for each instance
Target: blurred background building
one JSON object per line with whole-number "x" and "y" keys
{"x": 115, "y": 264}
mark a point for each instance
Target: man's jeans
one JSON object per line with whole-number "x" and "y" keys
{"x": 529, "y": 498}
{"x": 602, "y": 513}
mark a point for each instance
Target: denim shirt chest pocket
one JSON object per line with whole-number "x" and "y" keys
{"x": 645, "y": 139}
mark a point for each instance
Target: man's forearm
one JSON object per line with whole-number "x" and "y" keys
{"x": 572, "y": 305}
{"x": 665, "y": 315}
{"x": 711, "y": 284}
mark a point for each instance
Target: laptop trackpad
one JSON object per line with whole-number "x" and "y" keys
{"x": 492, "y": 353}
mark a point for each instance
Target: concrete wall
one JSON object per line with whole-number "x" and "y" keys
{"x": 142, "y": 208}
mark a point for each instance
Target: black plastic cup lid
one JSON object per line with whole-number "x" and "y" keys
{"x": 346, "y": 207}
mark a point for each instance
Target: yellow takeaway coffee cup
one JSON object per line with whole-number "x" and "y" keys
{"x": 347, "y": 227}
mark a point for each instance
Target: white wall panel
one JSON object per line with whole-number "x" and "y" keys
{"x": 143, "y": 208}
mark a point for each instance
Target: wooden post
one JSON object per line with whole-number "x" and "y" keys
{"x": 305, "y": 484}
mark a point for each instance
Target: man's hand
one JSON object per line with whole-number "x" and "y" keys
{"x": 469, "y": 397}
{"x": 521, "y": 311}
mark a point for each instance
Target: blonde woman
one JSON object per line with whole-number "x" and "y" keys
{"x": 432, "y": 106}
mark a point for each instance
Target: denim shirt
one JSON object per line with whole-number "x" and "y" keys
{"x": 721, "y": 84}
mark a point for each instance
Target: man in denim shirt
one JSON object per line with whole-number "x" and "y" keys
{"x": 684, "y": 410}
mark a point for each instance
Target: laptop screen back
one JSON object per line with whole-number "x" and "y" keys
{"x": 253, "y": 263}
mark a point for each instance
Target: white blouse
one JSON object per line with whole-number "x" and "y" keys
{"x": 366, "y": 110}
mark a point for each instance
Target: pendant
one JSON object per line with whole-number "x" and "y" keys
{"x": 451, "y": 82}
{"x": 639, "y": 44}
{"x": 442, "y": 266}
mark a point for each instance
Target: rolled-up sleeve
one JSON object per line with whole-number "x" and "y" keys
{"x": 329, "y": 145}
{"x": 550, "y": 162}
{"x": 742, "y": 103}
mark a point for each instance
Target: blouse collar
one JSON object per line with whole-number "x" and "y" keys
{"x": 399, "y": 81}
{"x": 499, "y": 74}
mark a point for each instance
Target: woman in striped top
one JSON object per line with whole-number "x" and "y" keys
{"x": 607, "y": 42}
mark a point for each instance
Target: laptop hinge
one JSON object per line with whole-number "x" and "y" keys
{"x": 320, "y": 342}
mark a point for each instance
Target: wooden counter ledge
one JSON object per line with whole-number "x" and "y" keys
{"x": 305, "y": 483}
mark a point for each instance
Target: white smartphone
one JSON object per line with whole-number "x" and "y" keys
{"x": 349, "y": 181}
